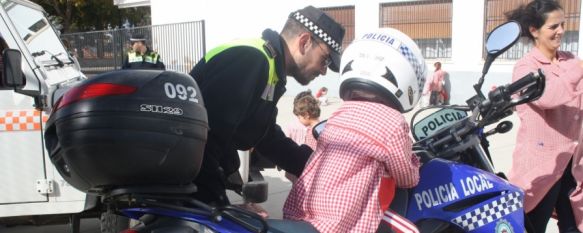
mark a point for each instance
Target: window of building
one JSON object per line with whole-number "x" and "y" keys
{"x": 428, "y": 23}
{"x": 345, "y": 16}
{"x": 494, "y": 13}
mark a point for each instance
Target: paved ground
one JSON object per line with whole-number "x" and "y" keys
{"x": 501, "y": 149}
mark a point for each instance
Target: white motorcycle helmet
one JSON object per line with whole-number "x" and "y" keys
{"x": 383, "y": 66}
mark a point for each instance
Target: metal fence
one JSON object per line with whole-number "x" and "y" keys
{"x": 180, "y": 46}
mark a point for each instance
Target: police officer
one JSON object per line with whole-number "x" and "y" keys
{"x": 141, "y": 57}
{"x": 241, "y": 83}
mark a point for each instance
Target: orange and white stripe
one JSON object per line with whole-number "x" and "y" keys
{"x": 21, "y": 120}
{"x": 398, "y": 223}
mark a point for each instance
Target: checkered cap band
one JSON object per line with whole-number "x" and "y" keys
{"x": 489, "y": 212}
{"x": 317, "y": 31}
{"x": 417, "y": 66}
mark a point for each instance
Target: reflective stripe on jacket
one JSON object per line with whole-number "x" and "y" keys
{"x": 148, "y": 57}
{"x": 259, "y": 44}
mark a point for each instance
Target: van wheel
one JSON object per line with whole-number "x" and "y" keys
{"x": 113, "y": 223}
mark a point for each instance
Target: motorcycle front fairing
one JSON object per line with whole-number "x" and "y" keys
{"x": 467, "y": 197}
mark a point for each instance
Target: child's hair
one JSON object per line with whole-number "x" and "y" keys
{"x": 302, "y": 94}
{"x": 307, "y": 105}
{"x": 534, "y": 14}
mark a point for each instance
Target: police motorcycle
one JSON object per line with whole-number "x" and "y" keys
{"x": 458, "y": 190}
{"x": 135, "y": 139}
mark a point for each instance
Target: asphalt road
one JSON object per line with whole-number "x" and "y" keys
{"x": 90, "y": 225}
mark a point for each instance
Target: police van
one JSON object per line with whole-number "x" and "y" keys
{"x": 32, "y": 190}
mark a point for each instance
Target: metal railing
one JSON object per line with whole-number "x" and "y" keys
{"x": 180, "y": 46}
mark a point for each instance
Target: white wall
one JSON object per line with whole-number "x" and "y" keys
{"x": 227, "y": 20}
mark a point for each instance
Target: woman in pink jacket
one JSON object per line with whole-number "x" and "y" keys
{"x": 547, "y": 159}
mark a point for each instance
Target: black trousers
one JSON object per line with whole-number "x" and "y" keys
{"x": 557, "y": 198}
{"x": 434, "y": 98}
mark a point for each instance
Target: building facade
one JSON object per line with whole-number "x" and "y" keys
{"x": 450, "y": 31}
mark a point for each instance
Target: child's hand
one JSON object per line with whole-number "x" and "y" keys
{"x": 255, "y": 208}
{"x": 291, "y": 177}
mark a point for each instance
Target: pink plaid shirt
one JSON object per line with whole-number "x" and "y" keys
{"x": 437, "y": 80}
{"x": 339, "y": 188}
{"x": 301, "y": 134}
{"x": 550, "y": 130}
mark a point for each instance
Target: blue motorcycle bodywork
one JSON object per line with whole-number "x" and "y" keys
{"x": 223, "y": 226}
{"x": 467, "y": 197}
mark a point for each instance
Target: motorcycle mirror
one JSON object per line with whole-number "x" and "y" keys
{"x": 504, "y": 127}
{"x": 499, "y": 40}
{"x": 318, "y": 128}
{"x": 502, "y": 38}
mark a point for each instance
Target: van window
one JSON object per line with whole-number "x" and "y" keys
{"x": 36, "y": 31}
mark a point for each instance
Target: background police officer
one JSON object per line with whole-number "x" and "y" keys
{"x": 141, "y": 57}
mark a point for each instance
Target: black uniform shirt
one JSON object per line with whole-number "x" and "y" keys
{"x": 232, "y": 83}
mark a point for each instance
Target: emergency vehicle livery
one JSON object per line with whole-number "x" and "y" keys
{"x": 30, "y": 184}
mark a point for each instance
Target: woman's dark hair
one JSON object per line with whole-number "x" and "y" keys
{"x": 533, "y": 14}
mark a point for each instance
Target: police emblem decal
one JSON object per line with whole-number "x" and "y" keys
{"x": 410, "y": 95}
{"x": 504, "y": 226}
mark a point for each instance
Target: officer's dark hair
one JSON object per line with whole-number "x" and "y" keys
{"x": 533, "y": 14}
{"x": 292, "y": 28}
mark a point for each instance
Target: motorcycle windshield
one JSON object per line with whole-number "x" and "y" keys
{"x": 436, "y": 121}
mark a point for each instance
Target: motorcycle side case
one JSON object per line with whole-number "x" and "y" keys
{"x": 149, "y": 137}
{"x": 469, "y": 198}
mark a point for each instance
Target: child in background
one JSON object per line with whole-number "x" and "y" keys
{"x": 321, "y": 96}
{"x": 307, "y": 111}
{"x": 365, "y": 149}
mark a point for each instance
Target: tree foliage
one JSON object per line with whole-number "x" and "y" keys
{"x": 89, "y": 15}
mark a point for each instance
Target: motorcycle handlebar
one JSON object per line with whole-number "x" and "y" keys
{"x": 524, "y": 82}
{"x": 497, "y": 106}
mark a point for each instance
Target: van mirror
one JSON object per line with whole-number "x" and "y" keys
{"x": 12, "y": 76}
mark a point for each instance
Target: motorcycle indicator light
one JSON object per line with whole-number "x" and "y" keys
{"x": 92, "y": 91}
{"x": 129, "y": 231}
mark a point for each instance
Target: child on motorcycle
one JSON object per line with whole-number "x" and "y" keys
{"x": 365, "y": 149}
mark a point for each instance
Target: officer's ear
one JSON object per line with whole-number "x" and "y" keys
{"x": 304, "y": 41}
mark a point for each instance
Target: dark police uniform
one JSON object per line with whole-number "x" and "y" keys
{"x": 150, "y": 61}
{"x": 241, "y": 99}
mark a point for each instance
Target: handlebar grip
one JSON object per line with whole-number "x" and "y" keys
{"x": 526, "y": 81}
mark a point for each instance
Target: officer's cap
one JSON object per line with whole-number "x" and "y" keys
{"x": 138, "y": 37}
{"x": 324, "y": 27}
